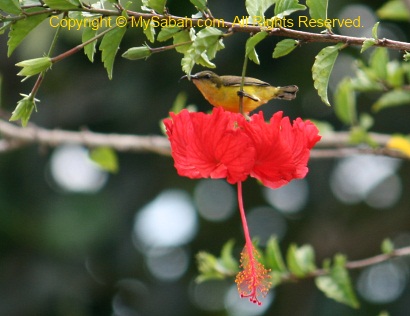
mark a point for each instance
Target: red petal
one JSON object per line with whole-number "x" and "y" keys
{"x": 282, "y": 150}
{"x": 209, "y": 145}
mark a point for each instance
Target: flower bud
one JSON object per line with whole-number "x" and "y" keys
{"x": 34, "y": 66}
{"x": 135, "y": 53}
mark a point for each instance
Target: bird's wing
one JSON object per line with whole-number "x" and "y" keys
{"x": 235, "y": 81}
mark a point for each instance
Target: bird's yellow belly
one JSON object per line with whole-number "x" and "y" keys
{"x": 227, "y": 97}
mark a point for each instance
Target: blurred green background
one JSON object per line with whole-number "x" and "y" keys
{"x": 77, "y": 241}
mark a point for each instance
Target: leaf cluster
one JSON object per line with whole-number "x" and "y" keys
{"x": 298, "y": 263}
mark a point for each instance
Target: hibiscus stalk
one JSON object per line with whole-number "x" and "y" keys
{"x": 254, "y": 279}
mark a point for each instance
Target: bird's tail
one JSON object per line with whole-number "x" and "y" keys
{"x": 287, "y": 92}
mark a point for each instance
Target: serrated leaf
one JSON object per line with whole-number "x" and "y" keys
{"x": 150, "y": 32}
{"x": 394, "y": 10}
{"x": 345, "y": 102}
{"x": 207, "y": 42}
{"x": 378, "y": 62}
{"x": 250, "y": 46}
{"x": 23, "y": 110}
{"x": 387, "y": 246}
{"x": 322, "y": 68}
{"x": 286, "y": 7}
{"x": 167, "y": 33}
{"x": 317, "y": 9}
{"x": 21, "y": 28}
{"x": 257, "y": 8}
{"x": 337, "y": 284}
{"x": 89, "y": 49}
{"x": 62, "y": 4}
{"x": 400, "y": 143}
{"x": 392, "y": 98}
{"x": 273, "y": 256}
{"x": 207, "y": 267}
{"x": 157, "y": 5}
{"x": 200, "y": 4}
{"x": 109, "y": 47}
{"x": 10, "y": 6}
{"x": 284, "y": 47}
{"x": 184, "y": 37}
{"x": 300, "y": 260}
{"x": 367, "y": 44}
{"x": 105, "y": 158}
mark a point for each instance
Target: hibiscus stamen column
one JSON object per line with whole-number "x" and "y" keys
{"x": 254, "y": 279}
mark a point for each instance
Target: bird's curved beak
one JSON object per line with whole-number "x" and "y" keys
{"x": 188, "y": 77}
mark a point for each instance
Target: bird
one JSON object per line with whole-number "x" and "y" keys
{"x": 223, "y": 91}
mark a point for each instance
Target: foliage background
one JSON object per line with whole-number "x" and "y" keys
{"x": 74, "y": 253}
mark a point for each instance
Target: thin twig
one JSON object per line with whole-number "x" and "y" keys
{"x": 335, "y": 145}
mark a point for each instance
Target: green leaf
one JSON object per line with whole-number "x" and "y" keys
{"x": 387, "y": 246}
{"x": 200, "y": 4}
{"x": 371, "y": 41}
{"x": 374, "y": 30}
{"x": 366, "y": 121}
{"x": 392, "y": 98}
{"x": 317, "y": 9}
{"x": 273, "y": 256}
{"x": 367, "y": 44}
{"x": 227, "y": 259}
{"x": 207, "y": 263}
{"x": 23, "y": 110}
{"x": 207, "y": 42}
{"x": 89, "y": 49}
{"x": 257, "y": 8}
{"x": 62, "y": 4}
{"x": 109, "y": 47}
{"x": 406, "y": 56}
{"x": 167, "y": 33}
{"x": 322, "y": 69}
{"x": 337, "y": 284}
{"x": 394, "y": 10}
{"x": 10, "y": 6}
{"x": 184, "y": 37}
{"x": 286, "y": 7}
{"x": 378, "y": 62}
{"x": 21, "y": 28}
{"x": 301, "y": 260}
{"x": 250, "y": 46}
{"x": 284, "y": 47}
{"x": 150, "y": 32}
{"x": 157, "y": 5}
{"x": 105, "y": 158}
{"x": 345, "y": 102}
{"x": 34, "y": 66}
{"x": 395, "y": 74}
{"x": 359, "y": 135}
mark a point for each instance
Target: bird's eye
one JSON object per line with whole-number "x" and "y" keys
{"x": 207, "y": 76}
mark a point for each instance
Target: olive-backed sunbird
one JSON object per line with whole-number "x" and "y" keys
{"x": 223, "y": 91}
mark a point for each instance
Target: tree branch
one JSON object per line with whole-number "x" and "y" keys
{"x": 333, "y": 145}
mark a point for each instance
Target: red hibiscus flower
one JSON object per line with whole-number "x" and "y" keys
{"x": 225, "y": 145}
